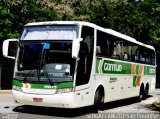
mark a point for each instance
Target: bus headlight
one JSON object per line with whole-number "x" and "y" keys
{"x": 65, "y": 90}
{"x": 17, "y": 88}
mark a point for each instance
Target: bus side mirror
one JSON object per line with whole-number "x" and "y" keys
{"x": 76, "y": 47}
{"x": 9, "y": 47}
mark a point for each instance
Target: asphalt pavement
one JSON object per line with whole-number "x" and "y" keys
{"x": 11, "y": 110}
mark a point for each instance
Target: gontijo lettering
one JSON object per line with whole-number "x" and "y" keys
{"x": 152, "y": 70}
{"x": 112, "y": 67}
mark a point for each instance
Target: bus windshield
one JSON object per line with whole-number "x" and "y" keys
{"x": 45, "y": 61}
{"x": 50, "y": 32}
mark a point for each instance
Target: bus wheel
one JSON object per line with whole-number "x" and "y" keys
{"x": 142, "y": 93}
{"x": 147, "y": 89}
{"x": 98, "y": 98}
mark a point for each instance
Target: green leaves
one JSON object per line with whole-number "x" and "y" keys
{"x": 15, "y": 14}
{"x": 139, "y": 20}
{"x": 5, "y": 23}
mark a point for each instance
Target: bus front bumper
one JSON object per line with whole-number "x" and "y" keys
{"x": 63, "y": 100}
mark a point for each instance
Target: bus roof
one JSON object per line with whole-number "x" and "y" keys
{"x": 106, "y": 30}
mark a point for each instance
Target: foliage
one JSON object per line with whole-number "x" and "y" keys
{"x": 139, "y": 20}
{"x": 15, "y": 14}
{"x": 5, "y": 24}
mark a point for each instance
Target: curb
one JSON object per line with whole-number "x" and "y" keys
{"x": 5, "y": 91}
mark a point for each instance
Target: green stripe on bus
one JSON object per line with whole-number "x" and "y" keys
{"x": 17, "y": 83}
{"x": 106, "y": 66}
{"x": 137, "y": 69}
{"x": 134, "y": 81}
{"x": 37, "y": 86}
{"x": 149, "y": 70}
{"x": 113, "y": 67}
{"x": 64, "y": 85}
{"x": 97, "y": 63}
{"x": 45, "y": 86}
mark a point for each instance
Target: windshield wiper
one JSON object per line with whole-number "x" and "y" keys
{"x": 42, "y": 66}
{"x": 49, "y": 79}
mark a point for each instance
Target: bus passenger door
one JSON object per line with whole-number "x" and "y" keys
{"x": 84, "y": 66}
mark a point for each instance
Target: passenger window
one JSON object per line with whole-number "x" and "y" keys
{"x": 98, "y": 50}
{"x": 113, "y": 47}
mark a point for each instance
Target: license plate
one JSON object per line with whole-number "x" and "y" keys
{"x": 37, "y": 99}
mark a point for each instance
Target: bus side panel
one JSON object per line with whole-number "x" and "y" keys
{"x": 83, "y": 96}
{"x": 123, "y": 79}
{"x": 116, "y": 87}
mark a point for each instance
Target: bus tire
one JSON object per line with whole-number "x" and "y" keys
{"x": 142, "y": 93}
{"x": 147, "y": 89}
{"x": 98, "y": 98}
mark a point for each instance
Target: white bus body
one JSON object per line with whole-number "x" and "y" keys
{"x": 107, "y": 66}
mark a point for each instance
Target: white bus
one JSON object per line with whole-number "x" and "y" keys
{"x": 72, "y": 64}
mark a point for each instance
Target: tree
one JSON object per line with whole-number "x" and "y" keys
{"x": 5, "y": 24}
{"x": 138, "y": 20}
{"x": 15, "y": 14}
